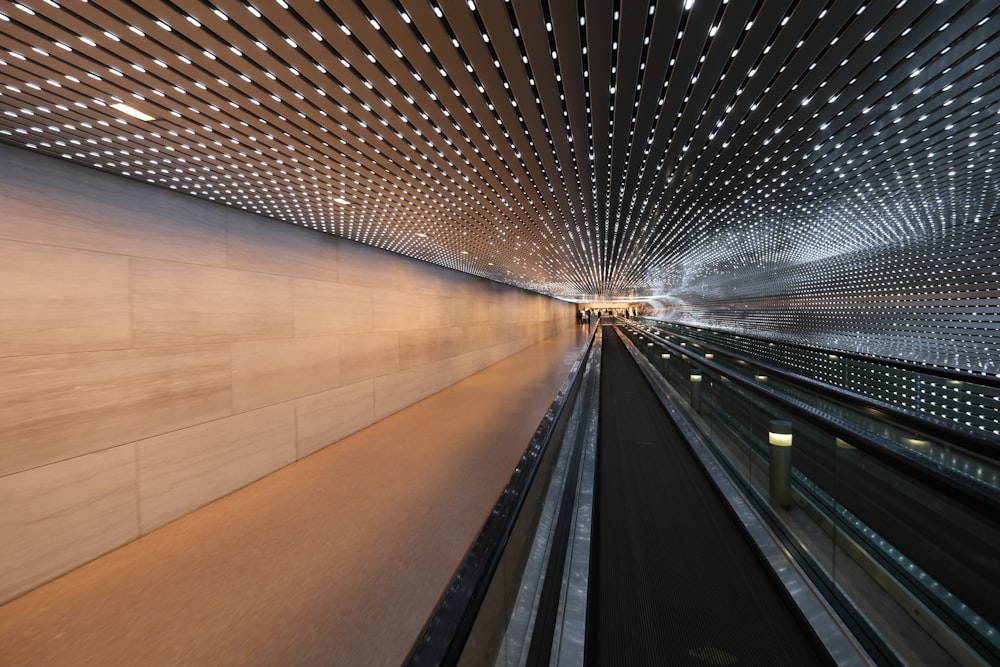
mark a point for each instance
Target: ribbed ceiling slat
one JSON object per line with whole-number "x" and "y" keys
{"x": 661, "y": 146}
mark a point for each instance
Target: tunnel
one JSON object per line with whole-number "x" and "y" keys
{"x": 499, "y": 332}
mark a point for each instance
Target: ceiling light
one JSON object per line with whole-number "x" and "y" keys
{"x": 132, "y": 111}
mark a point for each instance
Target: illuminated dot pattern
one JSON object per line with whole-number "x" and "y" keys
{"x": 814, "y": 166}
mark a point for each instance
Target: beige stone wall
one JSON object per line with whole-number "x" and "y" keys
{"x": 158, "y": 352}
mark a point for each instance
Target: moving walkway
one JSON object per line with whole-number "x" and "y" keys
{"x": 651, "y": 522}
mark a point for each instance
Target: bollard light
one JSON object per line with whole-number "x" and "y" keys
{"x": 664, "y": 362}
{"x": 780, "y": 433}
{"x": 695, "y": 398}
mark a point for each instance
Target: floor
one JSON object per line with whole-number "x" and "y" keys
{"x": 337, "y": 559}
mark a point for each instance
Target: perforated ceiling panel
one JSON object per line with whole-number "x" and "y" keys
{"x": 587, "y": 149}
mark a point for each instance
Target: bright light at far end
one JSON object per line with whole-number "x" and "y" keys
{"x": 341, "y": 201}
{"x": 132, "y": 111}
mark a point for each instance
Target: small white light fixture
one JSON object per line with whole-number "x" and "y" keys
{"x": 780, "y": 433}
{"x": 132, "y": 111}
{"x": 696, "y": 377}
{"x": 341, "y": 201}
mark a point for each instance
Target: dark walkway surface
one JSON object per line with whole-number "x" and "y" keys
{"x": 674, "y": 581}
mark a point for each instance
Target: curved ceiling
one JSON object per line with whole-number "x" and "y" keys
{"x": 585, "y": 149}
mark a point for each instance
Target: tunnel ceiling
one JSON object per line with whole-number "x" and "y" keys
{"x": 584, "y": 149}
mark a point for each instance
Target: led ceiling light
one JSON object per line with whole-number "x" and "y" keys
{"x": 132, "y": 111}
{"x": 754, "y": 166}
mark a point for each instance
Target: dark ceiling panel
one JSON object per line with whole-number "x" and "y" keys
{"x": 588, "y": 149}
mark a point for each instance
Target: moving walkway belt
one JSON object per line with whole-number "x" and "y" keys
{"x": 674, "y": 581}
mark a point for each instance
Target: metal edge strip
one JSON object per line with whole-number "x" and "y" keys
{"x": 569, "y": 649}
